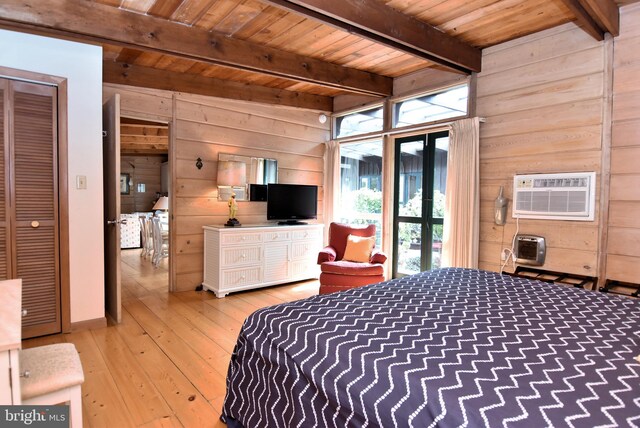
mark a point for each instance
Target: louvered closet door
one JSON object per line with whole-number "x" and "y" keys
{"x": 35, "y": 210}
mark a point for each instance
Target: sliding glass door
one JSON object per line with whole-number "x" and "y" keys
{"x": 420, "y": 184}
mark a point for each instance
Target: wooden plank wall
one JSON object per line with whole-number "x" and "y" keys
{"x": 542, "y": 96}
{"x": 623, "y": 248}
{"x": 206, "y": 126}
{"x": 142, "y": 169}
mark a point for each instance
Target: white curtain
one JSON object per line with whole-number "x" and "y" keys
{"x": 332, "y": 181}
{"x": 462, "y": 202}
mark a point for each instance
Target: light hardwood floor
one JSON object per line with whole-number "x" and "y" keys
{"x": 165, "y": 364}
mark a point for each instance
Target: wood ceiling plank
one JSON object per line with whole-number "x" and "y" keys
{"x": 485, "y": 27}
{"x": 242, "y": 15}
{"x": 144, "y": 130}
{"x": 277, "y": 28}
{"x": 378, "y": 22}
{"x": 214, "y": 15}
{"x": 181, "y": 65}
{"x": 301, "y": 29}
{"x": 414, "y": 7}
{"x": 96, "y": 22}
{"x": 191, "y": 11}
{"x": 141, "y": 6}
{"x": 514, "y": 25}
{"x": 261, "y": 23}
{"x": 128, "y": 55}
{"x": 164, "y": 8}
{"x": 146, "y": 140}
{"x": 115, "y": 3}
{"x": 148, "y": 59}
{"x": 321, "y": 39}
{"x": 446, "y": 11}
{"x": 181, "y": 82}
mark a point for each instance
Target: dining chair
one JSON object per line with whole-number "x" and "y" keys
{"x": 160, "y": 241}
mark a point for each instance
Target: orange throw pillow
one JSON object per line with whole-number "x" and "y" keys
{"x": 359, "y": 248}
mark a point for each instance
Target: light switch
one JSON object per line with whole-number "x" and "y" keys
{"x": 81, "y": 181}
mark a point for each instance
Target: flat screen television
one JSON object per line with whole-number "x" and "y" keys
{"x": 290, "y": 203}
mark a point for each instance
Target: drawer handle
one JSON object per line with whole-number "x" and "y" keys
{"x": 35, "y": 224}
{"x": 244, "y": 238}
{"x": 25, "y": 373}
{"x": 244, "y": 256}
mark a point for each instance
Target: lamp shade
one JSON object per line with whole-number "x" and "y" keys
{"x": 162, "y": 204}
{"x": 232, "y": 173}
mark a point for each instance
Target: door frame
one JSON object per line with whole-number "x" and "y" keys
{"x": 171, "y": 157}
{"x": 63, "y": 182}
{"x": 426, "y": 219}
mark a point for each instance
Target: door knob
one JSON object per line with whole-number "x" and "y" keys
{"x": 35, "y": 224}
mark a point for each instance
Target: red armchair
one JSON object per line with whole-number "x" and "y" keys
{"x": 338, "y": 274}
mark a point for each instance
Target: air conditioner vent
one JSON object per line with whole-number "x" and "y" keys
{"x": 566, "y": 196}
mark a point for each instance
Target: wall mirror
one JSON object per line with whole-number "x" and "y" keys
{"x": 236, "y": 172}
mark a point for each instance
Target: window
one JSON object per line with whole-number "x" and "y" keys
{"x": 449, "y": 103}
{"x": 361, "y": 184}
{"x": 361, "y": 122}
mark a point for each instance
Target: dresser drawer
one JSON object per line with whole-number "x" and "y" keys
{"x": 310, "y": 234}
{"x": 304, "y": 250}
{"x": 240, "y": 238}
{"x": 234, "y": 256}
{"x": 277, "y": 236}
{"x": 231, "y": 278}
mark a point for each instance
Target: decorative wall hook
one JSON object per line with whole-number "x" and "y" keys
{"x": 199, "y": 163}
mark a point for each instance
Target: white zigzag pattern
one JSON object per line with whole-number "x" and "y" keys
{"x": 451, "y": 347}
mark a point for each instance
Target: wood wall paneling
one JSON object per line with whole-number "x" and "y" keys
{"x": 543, "y": 97}
{"x": 205, "y": 127}
{"x": 141, "y": 169}
{"x": 623, "y": 249}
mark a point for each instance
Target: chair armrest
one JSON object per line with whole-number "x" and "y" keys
{"x": 328, "y": 254}
{"x": 378, "y": 257}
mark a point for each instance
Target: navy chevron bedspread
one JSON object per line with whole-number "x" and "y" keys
{"x": 445, "y": 348}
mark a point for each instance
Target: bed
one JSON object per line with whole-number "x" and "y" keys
{"x": 449, "y": 347}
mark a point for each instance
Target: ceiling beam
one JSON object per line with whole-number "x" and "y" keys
{"x": 605, "y": 13}
{"x": 90, "y": 21}
{"x": 136, "y": 75}
{"x": 376, "y": 21}
{"x": 596, "y": 17}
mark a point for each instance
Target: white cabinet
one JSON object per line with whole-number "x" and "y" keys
{"x": 10, "y": 340}
{"x": 241, "y": 258}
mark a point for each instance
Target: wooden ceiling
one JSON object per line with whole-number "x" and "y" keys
{"x": 294, "y": 52}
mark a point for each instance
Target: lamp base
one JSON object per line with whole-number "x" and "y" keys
{"x": 232, "y": 222}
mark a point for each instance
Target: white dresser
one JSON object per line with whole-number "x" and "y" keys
{"x": 241, "y": 258}
{"x": 10, "y": 340}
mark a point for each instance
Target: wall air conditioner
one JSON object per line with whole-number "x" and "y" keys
{"x": 565, "y": 196}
